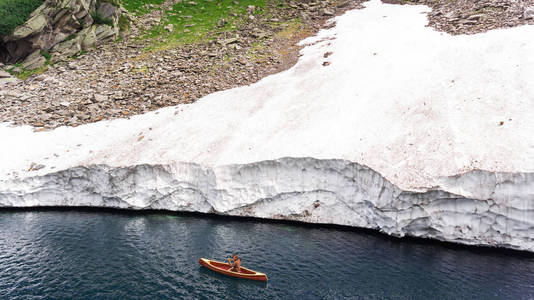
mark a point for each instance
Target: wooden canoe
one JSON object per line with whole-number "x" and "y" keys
{"x": 224, "y": 268}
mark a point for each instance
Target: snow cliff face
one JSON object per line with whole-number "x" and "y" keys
{"x": 390, "y": 135}
{"x": 479, "y": 207}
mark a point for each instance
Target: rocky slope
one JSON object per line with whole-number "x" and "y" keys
{"x": 469, "y": 17}
{"x": 383, "y": 123}
{"x": 122, "y": 79}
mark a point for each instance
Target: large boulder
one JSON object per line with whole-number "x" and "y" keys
{"x": 88, "y": 37}
{"x": 6, "y": 78}
{"x": 34, "y": 61}
{"x": 66, "y": 49}
{"x": 33, "y": 26}
{"x": 109, "y": 11}
{"x": 4, "y": 74}
{"x": 528, "y": 14}
{"x": 105, "y": 33}
{"x": 56, "y": 25}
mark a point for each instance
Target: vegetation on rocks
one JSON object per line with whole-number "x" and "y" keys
{"x": 14, "y": 13}
{"x": 77, "y": 25}
{"x": 188, "y": 21}
{"x": 140, "y": 7}
{"x": 100, "y": 19}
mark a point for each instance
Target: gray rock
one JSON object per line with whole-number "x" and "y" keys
{"x": 221, "y": 23}
{"x": 35, "y": 167}
{"x": 228, "y": 41}
{"x": 528, "y": 14}
{"x": 34, "y": 61}
{"x": 107, "y": 10}
{"x": 66, "y": 49}
{"x": 4, "y": 74}
{"x": 5, "y": 81}
{"x": 169, "y": 27}
{"x": 31, "y": 27}
{"x": 99, "y": 98}
{"x": 40, "y": 78}
{"x": 54, "y": 24}
{"x": 105, "y": 33}
{"x": 88, "y": 37}
{"x": 87, "y": 21}
{"x": 328, "y": 12}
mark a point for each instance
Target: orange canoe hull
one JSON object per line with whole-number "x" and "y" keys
{"x": 223, "y": 268}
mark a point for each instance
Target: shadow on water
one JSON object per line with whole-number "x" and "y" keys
{"x": 286, "y": 225}
{"x": 233, "y": 282}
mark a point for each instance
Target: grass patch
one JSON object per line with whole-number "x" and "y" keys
{"x": 23, "y": 74}
{"x": 72, "y": 36}
{"x": 291, "y": 28}
{"x": 83, "y": 52}
{"x": 254, "y": 53}
{"x": 46, "y": 55}
{"x": 140, "y": 7}
{"x": 14, "y": 13}
{"x": 197, "y": 21}
{"x": 114, "y": 2}
{"x": 27, "y": 73}
{"x": 124, "y": 23}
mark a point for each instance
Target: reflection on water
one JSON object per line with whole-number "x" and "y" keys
{"x": 68, "y": 254}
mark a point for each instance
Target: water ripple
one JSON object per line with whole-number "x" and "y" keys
{"x": 90, "y": 255}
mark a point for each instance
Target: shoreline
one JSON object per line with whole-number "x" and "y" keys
{"x": 478, "y": 249}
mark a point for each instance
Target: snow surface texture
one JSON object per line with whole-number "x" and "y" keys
{"x": 417, "y": 106}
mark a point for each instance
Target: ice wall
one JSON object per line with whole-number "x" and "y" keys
{"x": 479, "y": 207}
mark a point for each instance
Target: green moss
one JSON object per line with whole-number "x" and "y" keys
{"x": 14, "y": 13}
{"x": 124, "y": 23}
{"x": 46, "y": 55}
{"x": 100, "y": 19}
{"x": 72, "y": 36}
{"x": 198, "y": 21}
{"x": 114, "y": 2}
{"x": 27, "y": 73}
{"x": 23, "y": 74}
{"x": 140, "y": 7}
{"x": 83, "y": 52}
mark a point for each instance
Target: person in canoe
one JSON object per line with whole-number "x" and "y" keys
{"x": 235, "y": 263}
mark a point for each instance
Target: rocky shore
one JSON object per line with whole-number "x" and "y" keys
{"x": 123, "y": 79}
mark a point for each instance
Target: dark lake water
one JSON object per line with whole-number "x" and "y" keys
{"x": 115, "y": 255}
